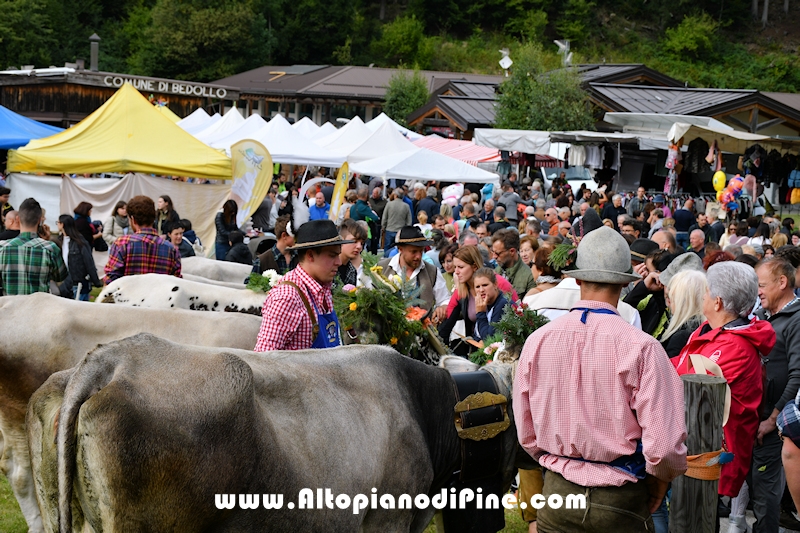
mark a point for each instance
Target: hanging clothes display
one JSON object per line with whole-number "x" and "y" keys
{"x": 577, "y": 156}
{"x": 695, "y": 160}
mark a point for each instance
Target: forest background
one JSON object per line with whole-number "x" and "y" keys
{"x": 750, "y": 44}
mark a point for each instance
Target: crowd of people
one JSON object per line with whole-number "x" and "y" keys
{"x": 638, "y": 287}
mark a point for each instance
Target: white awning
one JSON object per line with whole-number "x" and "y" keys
{"x": 424, "y": 165}
{"x": 526, "y": 141}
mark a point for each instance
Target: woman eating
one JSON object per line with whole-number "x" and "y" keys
{"x": 489, "y": 302}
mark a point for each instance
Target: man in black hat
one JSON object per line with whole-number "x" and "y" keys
{"x": 408, "y": 264}
{"x": 298, "y": 312}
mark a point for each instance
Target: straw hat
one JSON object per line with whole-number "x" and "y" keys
{"x": 604, "y": 257}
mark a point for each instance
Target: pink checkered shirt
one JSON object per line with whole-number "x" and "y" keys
{"x": 591, "y": 391}
{"x": 286, "y": 324}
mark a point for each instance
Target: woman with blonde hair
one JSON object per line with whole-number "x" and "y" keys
{"x": 780, "y": 239}
{"x": 447, "y": 212}
{"x": 684, "y": 296}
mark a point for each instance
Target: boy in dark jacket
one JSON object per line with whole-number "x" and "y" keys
{"x": 239, "y": 252}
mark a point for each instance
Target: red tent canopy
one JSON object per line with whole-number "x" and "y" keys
{"x": 465, "y": 151}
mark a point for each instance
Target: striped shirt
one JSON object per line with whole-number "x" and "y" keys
{"x": 28, "y": 263}
{"x": 591, "y": 391}
{"x": 142, "y": 252}
{"x": 286, "y": 324}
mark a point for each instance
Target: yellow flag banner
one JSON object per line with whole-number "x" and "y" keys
{"x": 252, "y": 176}
{"x": 338, "y": 192}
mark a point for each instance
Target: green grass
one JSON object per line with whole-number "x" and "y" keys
{"x": 11, "y": 519}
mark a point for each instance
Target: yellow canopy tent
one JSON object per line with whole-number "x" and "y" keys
{"x": 126, "y": 134}
{"x": 167, "y": 112}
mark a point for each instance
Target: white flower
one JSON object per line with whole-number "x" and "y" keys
{"x": 274, "y": 277}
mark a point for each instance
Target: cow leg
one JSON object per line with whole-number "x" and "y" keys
{"x": 16, "y": 465}
{"x": 42, "y": 421}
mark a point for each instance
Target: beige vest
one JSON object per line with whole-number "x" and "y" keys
{"x": 426, "y": 279}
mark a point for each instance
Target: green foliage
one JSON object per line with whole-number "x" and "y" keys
{"x": 405, "y": 94}
{"x": 576, "y": 22}
{"x": 378, "y": 314}
{"x": 198, "y": 40}
{"x": 530, "y": 26}
{"x": 26, "y": 34}
{"x": 695, "y": 36}
{"x": 403, "y": 42}
{"x": 533, "y": 100}
{"x": 517, "y": 323}
{"x": 482, "y": 356}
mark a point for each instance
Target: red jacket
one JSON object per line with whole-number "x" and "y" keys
{"x": 736, "y": 348}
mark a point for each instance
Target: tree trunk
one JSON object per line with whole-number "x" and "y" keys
{"x": 786, "y": 6}
{"x": 754, "y": 9}
{"x": 383, "y": 10}
{"x": 765, "y": 16}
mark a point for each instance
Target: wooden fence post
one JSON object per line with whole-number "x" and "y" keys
{"x": 693, "y": 506}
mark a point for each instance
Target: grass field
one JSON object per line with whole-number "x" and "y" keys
{"x": 11, "y": 520}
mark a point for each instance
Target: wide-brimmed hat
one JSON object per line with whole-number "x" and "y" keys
{"x": 316, "y": 234}
{"x": 412, "y": 236}
{"x": 687, "y": 261}
{"x": 640, "y": 248}
{"x": 604, "y": 257}
{"x": 658, "y": 199}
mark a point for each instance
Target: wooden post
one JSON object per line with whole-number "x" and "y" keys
{"x": 693, "y": 506}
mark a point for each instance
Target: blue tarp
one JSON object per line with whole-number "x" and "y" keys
{"x": 16, "y": 130}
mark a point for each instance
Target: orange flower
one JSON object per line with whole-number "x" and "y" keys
{"x": 415, "y": 313}
{"x": 393, "y": 340}
{"x": 353, "y": 306}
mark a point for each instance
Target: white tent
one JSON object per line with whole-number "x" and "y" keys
{"x": 288, "y": 146}
{"x": 306, "y": 126}
{"x": 197, "y": 126}
{"x": 385, "y": 141}
{"x": 423, "y": 165}
{"x": 247, "y": 130}
{"x": 529, "y": 142}
{"x": 347, "y": 138}
{"x": 229, "y": 123}
{"x": 383, "y": 118}
{"x": 660, "y": 121}
{"x": 196, "y": 118}
{"x": 324, "y": 130}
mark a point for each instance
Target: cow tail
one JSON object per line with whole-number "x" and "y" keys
{"x": 91, "y": 375}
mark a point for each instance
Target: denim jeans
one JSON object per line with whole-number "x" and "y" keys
{"x": 390, "y": 236}
{"x": 221, "y": 250}
{"x": 682, "y": 238}
{"x": 661, "y": 517}
{"x": 82, "y": 297}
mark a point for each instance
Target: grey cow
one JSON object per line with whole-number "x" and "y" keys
{"x": 149, "y": 431}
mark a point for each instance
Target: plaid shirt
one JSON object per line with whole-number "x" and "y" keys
{"x": 280, "y": 260}
{"x": 591, "y": 391}
{"x": 286, "y": 324}
{"x": 142, "y": 252}
{"x": 28, "y": 263}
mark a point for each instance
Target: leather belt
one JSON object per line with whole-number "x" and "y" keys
{"x": 480, "y": 416}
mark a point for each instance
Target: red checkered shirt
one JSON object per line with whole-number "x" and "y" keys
{"x": 286, "y": 324}
{"x": 142, "y": 252}
{"x": 591, "y": 391}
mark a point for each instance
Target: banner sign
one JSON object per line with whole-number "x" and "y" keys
{"x": 169, "y": 87}
{"x": 338, "y": 192}
{"x": 252, "y": 176}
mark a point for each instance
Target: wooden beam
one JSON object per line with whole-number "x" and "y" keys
{"x": 769, "y": 123}
{"x": 753, "y": 120}
{"x": 736, "y": 121}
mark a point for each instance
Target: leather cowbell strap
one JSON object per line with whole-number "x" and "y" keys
{"x": 480, "y": 417}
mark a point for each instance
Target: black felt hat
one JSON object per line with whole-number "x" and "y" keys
{"x": 640, "y": 248}
{"x": 317, "y": 234}
{"x": 412, "y": 236}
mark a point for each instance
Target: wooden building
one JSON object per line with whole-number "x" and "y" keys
{"x": 66, "y": 95}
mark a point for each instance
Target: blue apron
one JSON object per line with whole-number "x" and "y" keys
{"x": 328, "y": 323}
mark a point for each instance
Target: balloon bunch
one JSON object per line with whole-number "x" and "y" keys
{"x": 727, "y": 196}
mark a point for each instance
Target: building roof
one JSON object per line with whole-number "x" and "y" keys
{"x": 788, "y": 99}
{"x": 464, "y": 111}
{"x": 627, "y": 73}
{"x": 674, "y": 100}
{"x": 336, "y": 81}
